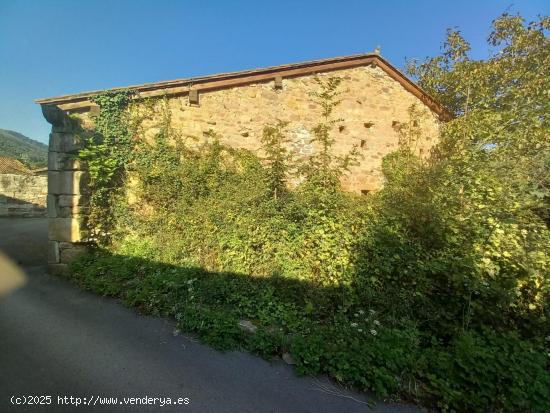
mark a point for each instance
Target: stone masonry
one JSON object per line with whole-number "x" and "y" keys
{"x": 67, "y": 189}
{"x": 372, "y": 107}
{"x": 22, "y": 195}
{"x": 376, "y": 99}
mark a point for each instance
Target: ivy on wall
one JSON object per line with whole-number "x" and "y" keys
{"x": 435, "y": 288}
{"x": 106, "y": 153}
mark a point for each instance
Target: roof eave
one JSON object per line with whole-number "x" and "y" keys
{"x": 82, "y": 101}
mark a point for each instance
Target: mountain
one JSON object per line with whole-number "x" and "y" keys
{"x": 27, "y": 150}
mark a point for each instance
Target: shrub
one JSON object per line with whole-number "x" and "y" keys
{"x": 489, "y": 372}
{"x": 435, "y": 289}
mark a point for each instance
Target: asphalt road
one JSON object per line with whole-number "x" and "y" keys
{"x": 56, "y": 340}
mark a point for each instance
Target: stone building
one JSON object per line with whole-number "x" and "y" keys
{"x": 22, "y": 192}
{"x": 376, "y": 99}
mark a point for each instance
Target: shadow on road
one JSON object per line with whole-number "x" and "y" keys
{"x": 57, "y": 340}
{"x": 25, "y": 240}
{"x": 23, "y": 243}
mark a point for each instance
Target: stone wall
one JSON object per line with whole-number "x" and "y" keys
{"x": 67, "y": 189}
{"x": 23, "y": 195}
{"x": 373, "y": 105}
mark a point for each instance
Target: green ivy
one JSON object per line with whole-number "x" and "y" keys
{"x": 107, "y": 154}
{"x": 435, "y": 289}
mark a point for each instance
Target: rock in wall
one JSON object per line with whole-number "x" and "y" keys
{"x": 23, "y": 195}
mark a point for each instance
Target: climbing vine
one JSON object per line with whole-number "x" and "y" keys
{"x": 106, "y": 153}
{"x": 323, "y": 170}
{"x": 434, "y": 288}
{"x": 278, "y": 159}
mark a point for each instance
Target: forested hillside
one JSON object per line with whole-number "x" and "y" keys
{"x": 15, "y": 145}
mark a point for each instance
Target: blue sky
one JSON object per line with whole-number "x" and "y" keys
{"x": 55, "y": 47}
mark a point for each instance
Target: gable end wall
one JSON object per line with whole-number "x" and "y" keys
{"x": 372, "y": 103}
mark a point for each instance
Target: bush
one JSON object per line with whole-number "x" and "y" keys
{"x": 489, "y": 372}
{"x": 435, "y": 289}
{"x": 485, "y": 371}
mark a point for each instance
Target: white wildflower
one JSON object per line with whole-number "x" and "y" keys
{"x": 373, "y": 332}
{"x": 354, "y": 325}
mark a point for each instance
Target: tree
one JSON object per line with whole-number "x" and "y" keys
{"x": 501, "y": 104}
{"x": 474, "y": 214}
{"x": 278, "y": 158}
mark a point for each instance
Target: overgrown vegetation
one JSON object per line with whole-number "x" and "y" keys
{"x": 106, "y": 154}
{"x": 435, "y": 289}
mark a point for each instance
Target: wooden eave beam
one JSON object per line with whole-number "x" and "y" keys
{"x": 82, "y": 101}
